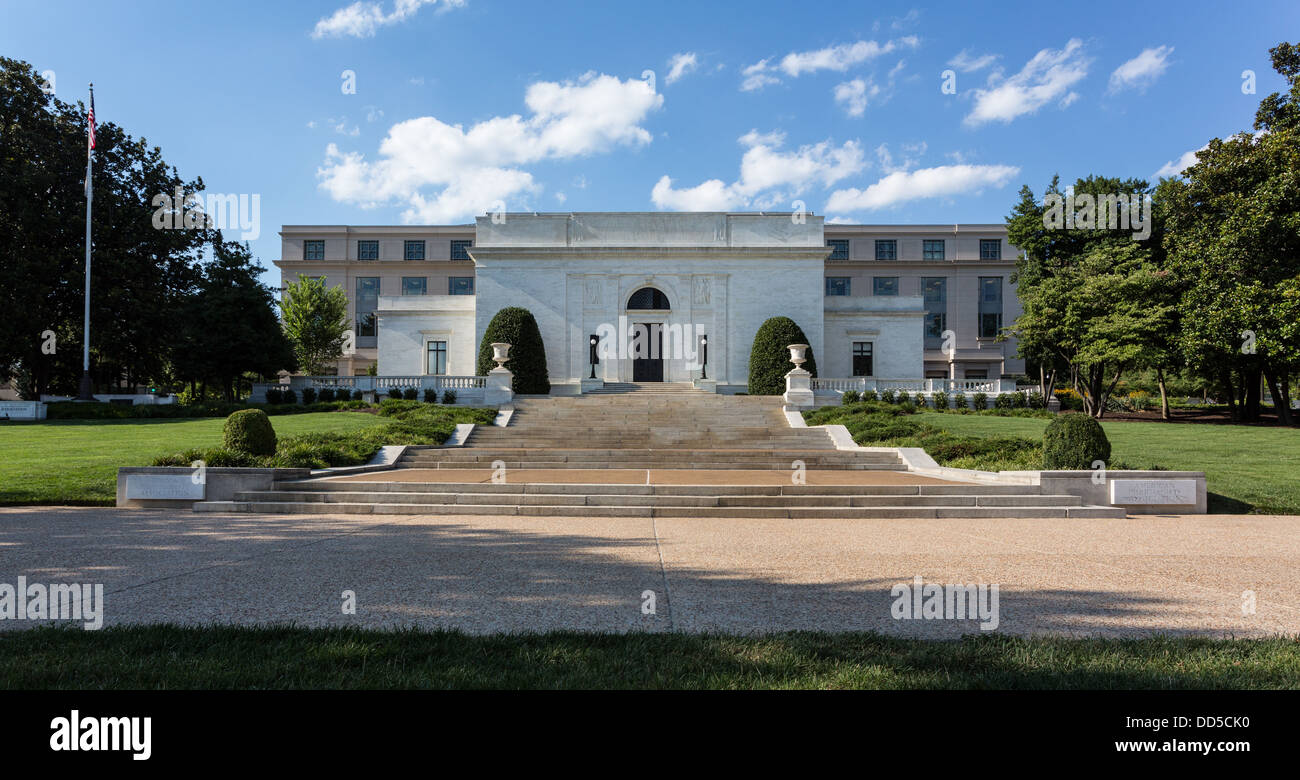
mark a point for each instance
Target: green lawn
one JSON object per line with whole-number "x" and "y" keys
{"x": 76, "y": 461}
{"x": 1247, "y": 468}
{"x": 167, "y": 657}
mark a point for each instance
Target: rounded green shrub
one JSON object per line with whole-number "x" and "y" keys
{"x": 517, "y": 327}
{"x": 940, "y": 401}
{"x": 250, "y": 431}
{"x": 326, "y": 395}
{"x": 395, "y": 393}
{"x": 769, "y": 358}
{"x": 1074, "y": 441}
{"x": 411, "y": 394}
{"x": 850, "y": 397}
{"x": 308, "y": 395}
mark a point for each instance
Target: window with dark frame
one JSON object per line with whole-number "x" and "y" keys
{"x": 437, "y": 358}
{"x": 990, "y": 249}
{"x": 862, "y": 355}
{"x": 458, "y": 247}
{"x": 886, "y": 249}
{"x": 460, "y": 285}
{"x": 837, "y": 285}
{"x": 313, "y": 250}
{"x": 367, "y": 301}
{"x": 415, "y": 285}
{"x": 990, "y": 307}
{"x": 932, "y": 250}
{"x": 884, "y": 285}
{"x": 413, "y": 250}
{"x": 367, "y": 250}
{"x": 839, "y": 248}
{"x": 934, "y": 289}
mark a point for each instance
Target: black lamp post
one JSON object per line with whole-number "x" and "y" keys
{"x": 704, "y": 366}
{"x": 593, "y": 341}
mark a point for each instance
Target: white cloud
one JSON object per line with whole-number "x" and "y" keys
{"x": 756, "y": 77}
{"x": 681, "y": 64}
{"x": 471, "y": 169}
{"x": 837, "y": 58}
{"x": 1141, "y": 71}
{"x": 902, "y": 186}
{"x": 1176, "y": 167}
{"x": 362, "y": 19}
{"x": 855, "y": 94}
{"x": 911, "y": 155}
{"x": 1046, "y": 77}
{"x": 769, "y": 176}
{"x": 903, "y": 22}
{"x": 969, "y": 63}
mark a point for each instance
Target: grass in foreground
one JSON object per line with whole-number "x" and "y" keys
{"x": 76, "y": 461}
{"x": 169, "y": 657}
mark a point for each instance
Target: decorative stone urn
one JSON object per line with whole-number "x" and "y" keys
{"x": 498, "y": 391}
{"x": 798, "y": 381}
{"x": 500, "y": 349}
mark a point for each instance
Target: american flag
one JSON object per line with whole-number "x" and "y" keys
{"x": 91, "y": 118}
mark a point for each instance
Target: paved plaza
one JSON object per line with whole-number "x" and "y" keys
{"x": 1177, "y": 575}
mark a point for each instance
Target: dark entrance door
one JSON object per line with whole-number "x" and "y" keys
{"x": 647, "y": 357}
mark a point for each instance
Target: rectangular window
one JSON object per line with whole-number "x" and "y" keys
{"x": 458, "y": 247}
{"x": 837, "y": 285}
{"x": 367, "y": 250}
{"x": 460, "y": 285}
{"x": 839, "y": 248}
{"x": 884, "y": 285}
{"x": 990, "y": 249}
{"x": 366, "y": 302}
{"x": 990, "y": 307}
{"x": 886, "y": 249}
{"x": 413, "y": 250}
{"x": 935, "y": 291}
{"x": 415, "y": 285}
{"x": 932, "y": 250}
{"x": 313, "y": 250}
{"x": 972, "y": 373}
{"x": 862, "y": 358}
{"x": 437, "y": 360}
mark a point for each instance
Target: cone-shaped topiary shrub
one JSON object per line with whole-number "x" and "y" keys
{"x": 1074, "y": 441}
{"x": 769, "y": 360}
{"x": 517, "y": 327}
{"x": 249, "y": 431}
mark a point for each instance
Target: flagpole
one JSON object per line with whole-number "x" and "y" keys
{"x": 86, "y": 391}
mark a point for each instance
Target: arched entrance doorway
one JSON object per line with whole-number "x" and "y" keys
{"x": 648, "y": 337}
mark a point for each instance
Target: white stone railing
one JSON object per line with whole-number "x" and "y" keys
{"x": 864, "y": 384}
{"x": 467, "y": 388}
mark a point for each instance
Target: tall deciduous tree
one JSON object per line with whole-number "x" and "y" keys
{"x": 1234, "y": 237}
{"x": 316, "y": 322}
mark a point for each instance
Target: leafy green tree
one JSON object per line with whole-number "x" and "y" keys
{"x": 516, "y": 326}
{"x": 230, "y": 327}
{"x": 316, "y": 322}
{"x": 1234, "y": 238}
{"x": 140, "y": 276}
{"x": 1096, "y": 301}
{"x": 769, "y": 358}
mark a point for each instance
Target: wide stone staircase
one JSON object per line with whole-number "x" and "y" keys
{"x": 648, "y": 431}
{"x": 659, "y": 432}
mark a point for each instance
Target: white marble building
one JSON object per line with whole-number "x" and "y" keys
{"x": 880, "y": 302}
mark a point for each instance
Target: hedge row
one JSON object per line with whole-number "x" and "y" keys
{"x": 71, "y": 410}
{"x": 412, "y": 423}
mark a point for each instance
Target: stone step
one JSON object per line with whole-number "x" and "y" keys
{"x": 612, "y": 500}
{"x": 951, "y": 489}
{"x": 657, "y": 465}
{"x": 875, "y": 512}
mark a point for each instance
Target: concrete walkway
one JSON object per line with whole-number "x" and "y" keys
{"x": 1175, "y": 575}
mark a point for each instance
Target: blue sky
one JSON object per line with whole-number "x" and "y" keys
{"x": 461, "y": 107}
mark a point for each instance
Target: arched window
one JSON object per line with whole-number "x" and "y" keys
{"x": 648, "y": 298}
